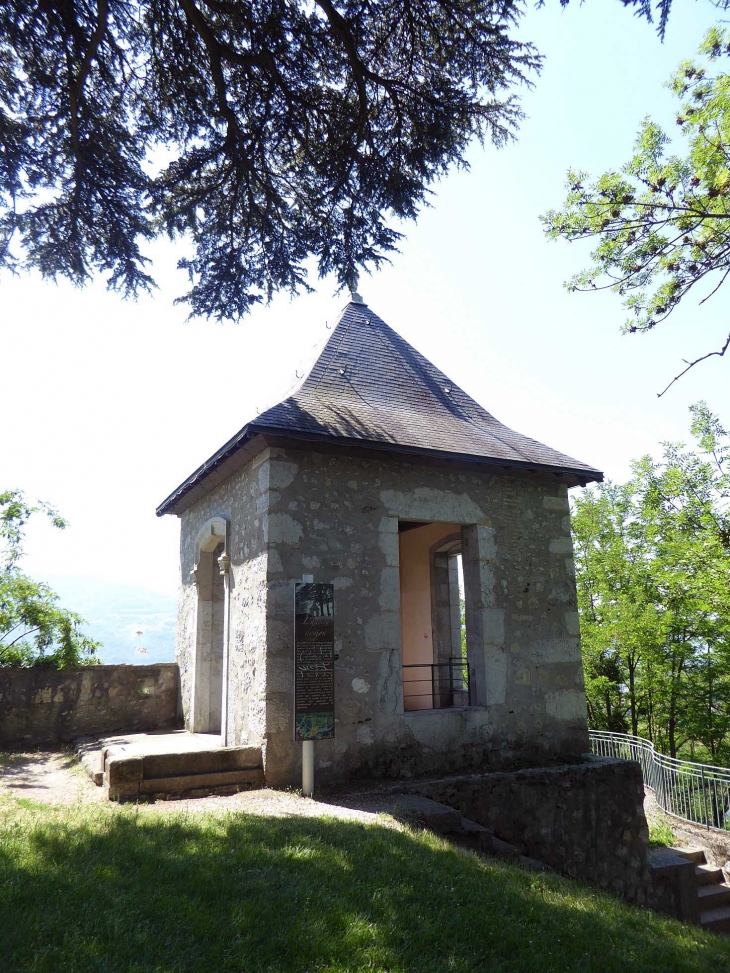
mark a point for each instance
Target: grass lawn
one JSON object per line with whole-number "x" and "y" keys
{"x": 661, "y": 834}
{"x": 129, "y": 889}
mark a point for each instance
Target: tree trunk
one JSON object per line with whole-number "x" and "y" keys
{"x": 632, "y": 698}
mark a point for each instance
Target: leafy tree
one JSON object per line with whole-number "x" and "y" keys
{"x": 653, "y": 575}
{"x": 34, "y": 630}
{"x": 264, "y": 132}
{"x": 620, "y": 623}
{"x": 663, "y": 221}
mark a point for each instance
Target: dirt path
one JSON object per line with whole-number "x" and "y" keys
{"x": 46, "y": 778}
{"x": 58, "y": 778}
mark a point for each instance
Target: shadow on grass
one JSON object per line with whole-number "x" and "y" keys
{"x": 127, "y": 891}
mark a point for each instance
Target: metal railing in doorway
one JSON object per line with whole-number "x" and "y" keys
{"x": 699, "y": 793}
{"x": 446, "y": 684}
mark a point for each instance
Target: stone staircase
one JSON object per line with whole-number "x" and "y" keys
{"x": 447, "y": 821}
{"x": 170, "y": 765}
{"x": 712, "y": 891}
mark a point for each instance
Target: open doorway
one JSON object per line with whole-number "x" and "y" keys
{"x": 208, "y": 671}
{"x": 435, "y": 671}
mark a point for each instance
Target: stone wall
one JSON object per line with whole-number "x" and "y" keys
{"x": 292, "y": 512}
{"x": 42, "y": 707}
{"x": 584, "y": 820}
{"x": 242, "y": 501}
{"x": 336, "y": 516}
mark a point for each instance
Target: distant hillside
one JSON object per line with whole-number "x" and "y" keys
{"x": 136, "y": 625}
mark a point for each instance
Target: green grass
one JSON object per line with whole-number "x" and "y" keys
{"x": 661, "y": 835}
{"x": 107, "y": 889}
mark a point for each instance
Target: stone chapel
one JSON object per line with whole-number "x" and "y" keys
{"x": 382, "y": 477}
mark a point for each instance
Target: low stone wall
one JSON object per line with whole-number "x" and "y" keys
{"x": 42, "y": 707}
{"x": 585, "y": 820}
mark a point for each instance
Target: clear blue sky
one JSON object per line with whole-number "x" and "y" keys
{"x": 109, "y": 405}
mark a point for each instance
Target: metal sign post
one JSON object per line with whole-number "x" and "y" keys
{"x": 314, "y": 671}
{"x": 308, "y": 768}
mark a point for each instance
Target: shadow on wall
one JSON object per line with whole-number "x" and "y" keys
{"x": 135, "y": 890}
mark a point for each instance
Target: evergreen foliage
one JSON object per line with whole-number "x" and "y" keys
{"x": 34, "y": 630}
{"x": 263, "y": 132}
{"x": 653, "y": 572}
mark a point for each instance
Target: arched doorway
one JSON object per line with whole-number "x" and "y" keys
{"x": 208, "y": 677}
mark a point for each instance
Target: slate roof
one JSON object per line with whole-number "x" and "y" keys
{"x": 370, "y": 387}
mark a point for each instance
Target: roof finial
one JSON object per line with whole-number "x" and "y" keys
{"x": 350, "y": 282}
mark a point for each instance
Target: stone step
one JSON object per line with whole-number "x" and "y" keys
{"x": 696, "y": 855}
{"x": 483, "y": 839}
{"x": 713, "y": 896}
{"x": 158, "y": 765}
{"x": 447, "y": 821}
{"x": 474, "y": 836}
{"x": 709, "y": 875}
{"x": 127, "y": 774}
{"x": 206, "y": 782}
{"x": 716, "y": 920}
{"x": 503, "y": 849}
{"x": 92, "y": 762}
{"x": 432, "y": 815}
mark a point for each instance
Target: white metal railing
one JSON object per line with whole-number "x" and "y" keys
{"x": 699, "y": 793}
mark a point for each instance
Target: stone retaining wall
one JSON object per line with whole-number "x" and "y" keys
{"x": 42, "y": 707}
{"x": 584, "y": 820}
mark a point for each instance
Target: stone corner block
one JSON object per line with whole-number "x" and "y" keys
{"x": 572, "y": 623}
{"x": 122, "y": 792}
{"x": 556, "y": 503}
{"x": 123, "y": 770}
{"x": 561, "y": 545}
{"x": 479, "y": 543}
{"x": 485, "y": 625}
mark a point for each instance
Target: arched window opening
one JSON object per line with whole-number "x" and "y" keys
{"x": 208, "y": 682}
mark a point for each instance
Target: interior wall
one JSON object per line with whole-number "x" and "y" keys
{"x": 416, "y": 609}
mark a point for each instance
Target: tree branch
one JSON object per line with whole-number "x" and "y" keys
{"x": 692, "y": 364}
{"x": 21, "y": 636}
{"x": 76, "y": 87}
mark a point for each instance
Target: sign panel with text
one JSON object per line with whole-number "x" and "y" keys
{"x": 314, "y": 661}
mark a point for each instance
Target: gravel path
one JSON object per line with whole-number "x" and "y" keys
{"x": 59, "y": 779}
{"x": 46, "y": 778}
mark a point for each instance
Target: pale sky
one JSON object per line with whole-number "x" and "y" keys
{"x": 110, "y": 405}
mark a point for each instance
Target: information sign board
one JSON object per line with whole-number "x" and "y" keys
{"x": 314, "y": 661}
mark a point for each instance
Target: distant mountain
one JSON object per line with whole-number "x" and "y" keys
{"x": 136, "y": 625}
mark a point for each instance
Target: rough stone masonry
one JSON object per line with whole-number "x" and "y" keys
{"x": 371, "y": 477}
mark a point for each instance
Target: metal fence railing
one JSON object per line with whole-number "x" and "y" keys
{"x": 699, "y": 793}
{"x": 441, "y": 685}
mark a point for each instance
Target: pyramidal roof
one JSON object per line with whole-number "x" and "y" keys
{"x": 369, "y": 387}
